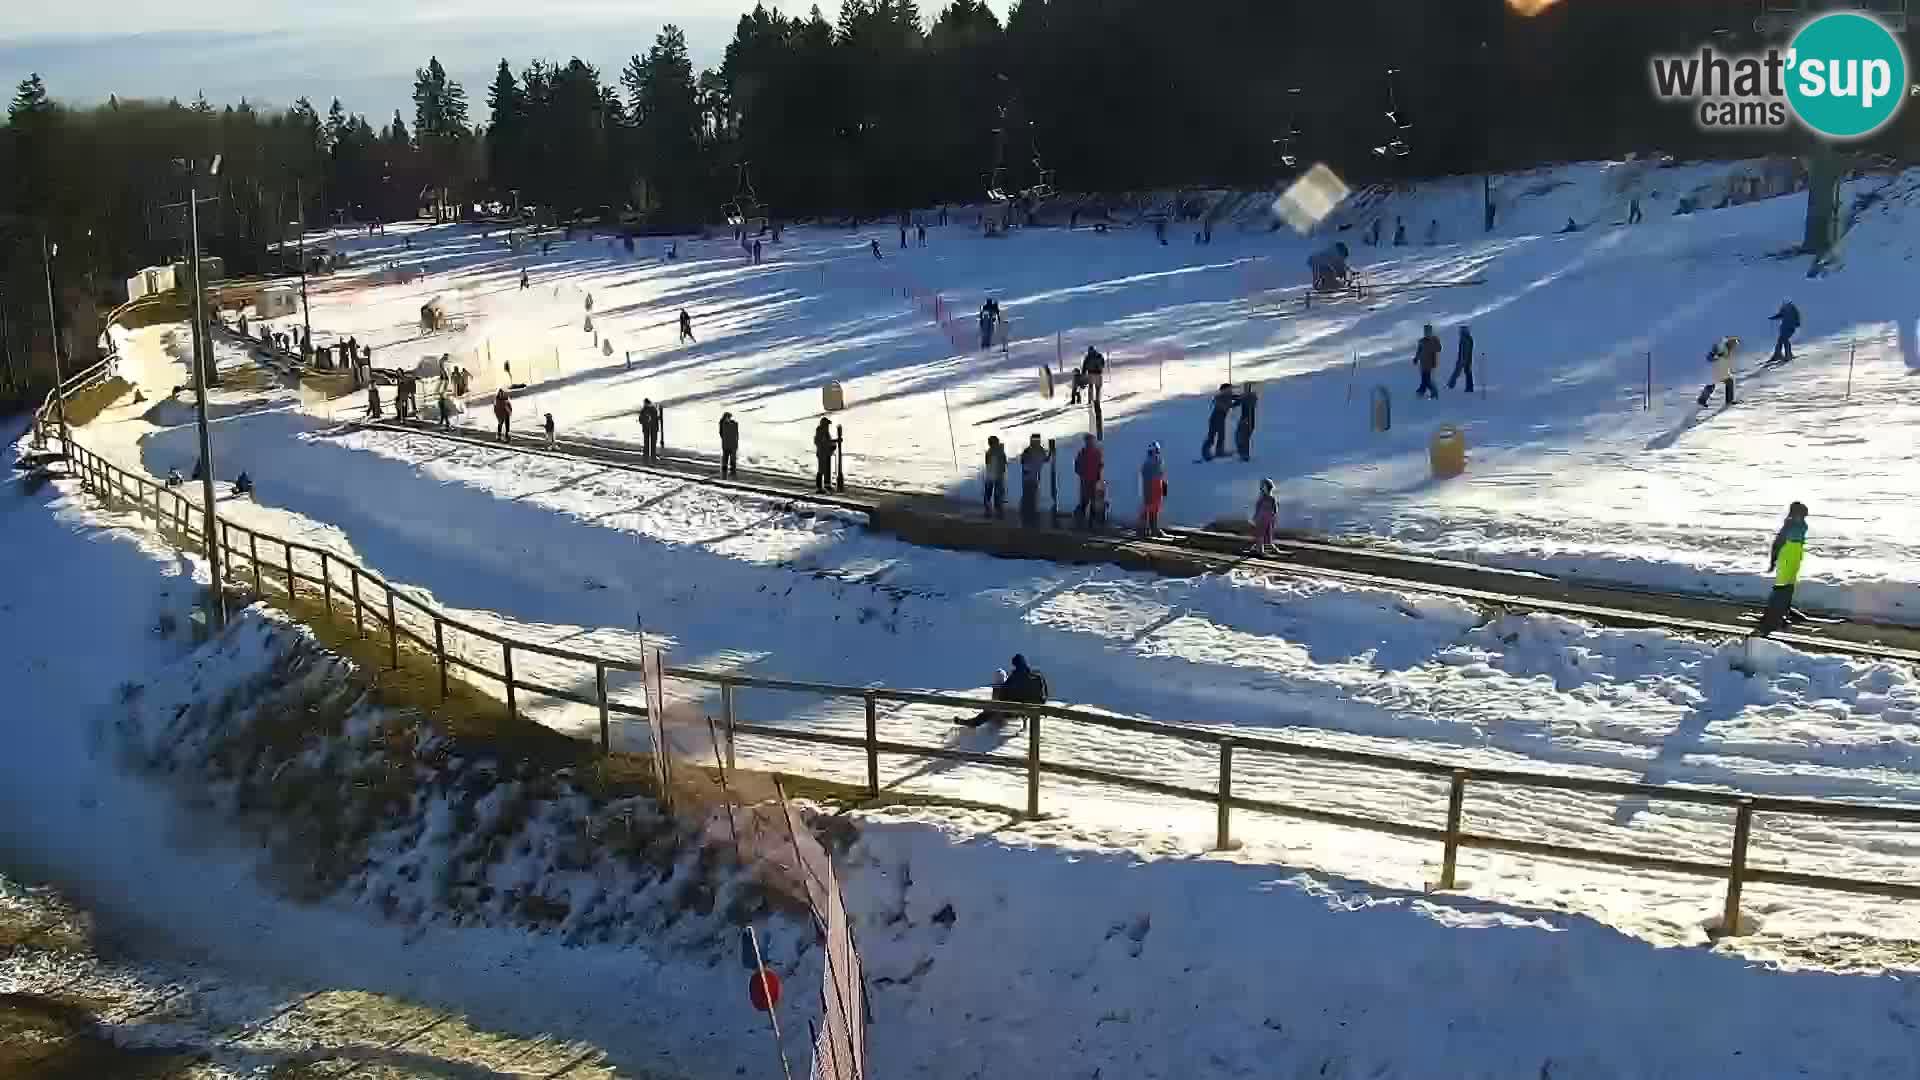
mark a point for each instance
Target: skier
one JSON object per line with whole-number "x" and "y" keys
{"x": 989, "y": 320}
{"x": 1399, "y": 233}
{"x": 1243, "y": 429}
{"x": 824, "y": 445}
{"x": 903, "y": 236}
{"x": 1789, "y": 319}
{"x": 549, "y": 426}
{"x": 994, "y": 478}
{"x": 1634, "y": 215}
{"x": 1463, "y": 363}
{"x": 686, "y": 326}
{"x": 1153, "y": 491}
{"x": 729, "y": 447}
{"x": 1721, "y": 357}
{"x": 1426, "y": 357}
{"x": 1033, "y": 459}
{"x": 1215, "y": 444}
{"x": 1265, "y": 511}
{"x": 1095, "y": 365}
{"x": 502, "y": 415}
{"x": 1088, "y": 465}
{"x": 1783, "y": 561}
{"x": 525, "y": 282}
{"x": 874, "y": 246}
{"x": 649, "y": 431}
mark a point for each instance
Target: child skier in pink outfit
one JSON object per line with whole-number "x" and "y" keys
{"x": 1265, "y": 511}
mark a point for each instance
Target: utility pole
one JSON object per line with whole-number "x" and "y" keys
{"x": 202, "y": 364}
{"x": 53, "y": 331}
{"x": 300, "y": 215}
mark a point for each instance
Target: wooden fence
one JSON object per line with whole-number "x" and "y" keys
{"x": 379, "y": 608}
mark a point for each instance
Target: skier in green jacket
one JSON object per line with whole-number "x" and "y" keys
{"x": 1789, "y": 545}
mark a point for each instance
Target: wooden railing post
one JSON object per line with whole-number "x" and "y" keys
{"x": 326, "y": 581}
{"x": 1222, "y": 827}
{"x": 440, "y": 651}
{"x": 1456, "y": 802}
{"x": 253, "y": 556}
{"x": 393, "y": 632}
{"x": 1033, "y": 765}
{"x": 1737, "y": 867}
{"x": 506, "y": 653}
{"x": 359, "y": 617}
{"x": 873, "y": 746}
{"x": 727, "y": 718}
{"x": 600, "y": 687}
{"x": 293, "y": 583}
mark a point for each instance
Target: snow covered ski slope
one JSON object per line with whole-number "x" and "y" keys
{"x": 1576, "y": 463}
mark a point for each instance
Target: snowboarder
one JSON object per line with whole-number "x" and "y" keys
{"x": 1783, "y": 561}
{"x": 1089, "y": 464}
{"x": 502, "y": 415}
{"x": 1153, "y": 491}
{"x": 1399, "y": 233}
{"x": 547, "y": 421}
{"x": 824, "y": 444}
{"x": 729, "y": 447}
{"x": 1721, "y": 357}
{"x": 1265, "y": 512}
{"x": 649, "y": 431}
{"x": 1095, "y": 365}
{"x": 1789, "y": 319}
{"x": 686, "y": 326}
{"x": 874, "y": 246}
{"x": 1215, "y": 444}
{"x": 1033, "y": 459}
{"x": 1426, "y": 357}
{"x": 1243, "y": 428}
{"x": 1571, "y": 226}
{"x": 1463, "y": 362}
{"x": 994, "y": 478}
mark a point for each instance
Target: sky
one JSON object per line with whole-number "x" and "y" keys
{"x": 360, "y": 51}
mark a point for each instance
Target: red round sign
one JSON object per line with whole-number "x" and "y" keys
{"x": 763, "y": 989}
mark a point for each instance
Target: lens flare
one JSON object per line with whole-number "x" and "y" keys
{"x": 1530, "y": 8}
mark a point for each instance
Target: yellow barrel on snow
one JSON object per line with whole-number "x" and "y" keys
{"x": 1448, "y": 452}
{"x": 832, "y": 397}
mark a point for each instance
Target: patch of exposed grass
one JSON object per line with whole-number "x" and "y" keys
{"x": 85, "y": 406}
{"x": 47, "y": 1038}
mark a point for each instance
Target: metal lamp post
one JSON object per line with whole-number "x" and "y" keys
{"x": 47, "y": 252}
{"x": 202, "y": 364}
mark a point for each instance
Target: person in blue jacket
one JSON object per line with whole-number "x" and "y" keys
{"x": 1789, "y": 319}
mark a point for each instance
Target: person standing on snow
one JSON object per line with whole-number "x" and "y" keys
{"x": 1088, "y": 465}
{"x": 502, "y": 415}
{"x": 994, "y": 478}
{"x": 729, "y": 447}
{"x": 1789, "y": 319}
{"x": 1215, "y": 444}
{"x": 1266, "y": 511}
{"x": 1243, "y": 428}
{"x": 1463, "y": 363}
{"x": 649, "y": 431}
{"x": 1095, "y": 365}
{"x": 1783, "y": 561}
{"x": 525, "y": 284}
{"x": 686, "y": 326}
{"x": 1426, "y": 357}
{"x": 1033, "y": 459}
{"x": 874, "y": 246}
{"x": 549, "y": 427}
{"x": 1153, "y": 491}
{"x": 824, "y": 444}
{"x": 1721, "y": 357}
{"x": 1399, "y": 233}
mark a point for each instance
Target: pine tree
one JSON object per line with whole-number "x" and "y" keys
{"x": 29, "y": 99}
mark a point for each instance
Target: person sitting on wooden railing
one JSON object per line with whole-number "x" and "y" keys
{"x": 243, "y": 487}
{"x": 1025, "y": 686}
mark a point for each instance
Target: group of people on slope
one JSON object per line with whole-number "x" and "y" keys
{"x": 1426, "y": 357}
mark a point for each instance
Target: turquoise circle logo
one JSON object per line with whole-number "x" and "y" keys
{"x": 1846, "y": 75}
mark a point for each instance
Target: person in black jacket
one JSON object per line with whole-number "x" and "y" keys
{"x": 824, "y": 445}
{"x": 649, "y": 431}
{"x": 1215, "y": 444}
{"x": 1243, "y": 428}
{"x": 686, "y": 326}
{"x": 1463, "y": 363}
{"x": 729, "y": 446}
{"x": 1426, "y": 357}
{"x": 994, "y": 478}
{"x": 1025, "y": 686}
{"x": 1095, "y": 365}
